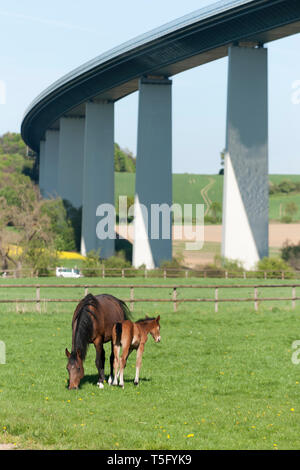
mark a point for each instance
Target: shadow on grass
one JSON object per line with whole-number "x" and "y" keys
{"x": 93, "y": 379}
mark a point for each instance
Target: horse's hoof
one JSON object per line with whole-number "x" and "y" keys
{"x": 100, "y": 385}
{"x": 136, "y": 383}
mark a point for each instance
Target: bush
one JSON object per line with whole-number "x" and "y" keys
{"x": 65, "y": 239}
{"x": 219, "y": 267}
{"x": 91, "y": 265}
{"x": 286, "y": 219}
{"x": 39, "y": 257}
{"x": 232, "y": 266}
{"x": 274, "y": 266}
{"x": 290, "y": 253}
{"x": 286, "y": 187}
{"x": 174, "y": 266}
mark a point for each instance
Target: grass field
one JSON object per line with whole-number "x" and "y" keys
{"x": 216, "y": 381}
{"x": 187, "y": 189}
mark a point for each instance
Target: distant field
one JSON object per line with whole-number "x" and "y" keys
{"x": 189, "y": 189}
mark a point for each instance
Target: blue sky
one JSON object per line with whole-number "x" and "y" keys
{"x": 41, "y": 41}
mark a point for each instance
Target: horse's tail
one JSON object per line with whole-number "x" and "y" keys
{"x": 84, "y": 324}
{"x": 125, "y": 309}
{"x": 118, "y": 334}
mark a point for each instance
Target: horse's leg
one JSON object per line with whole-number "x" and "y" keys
{"x": 100, "y": 362}
{"x": 116, "y": 351}
{"x": 139, "y": 355}
{"x": 110, "y": 379}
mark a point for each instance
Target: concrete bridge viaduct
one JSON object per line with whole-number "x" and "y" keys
{"x": 71, "y": 124}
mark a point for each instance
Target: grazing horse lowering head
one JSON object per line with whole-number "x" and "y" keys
{"x": 75, "y": 369}
{"x": 92, "y": 322}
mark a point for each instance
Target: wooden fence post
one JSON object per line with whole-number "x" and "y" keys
{"x": 216, "y": 299}
{"x": 255, "y": 299}
{"x": 293, "y": 297}
{"x": 86, "y": 290}
{"x": 175, "y": 299}
{"x": 131, "y": 298}
{"x": 38, "y": 299}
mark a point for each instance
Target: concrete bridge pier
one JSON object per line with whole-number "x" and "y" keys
{"x": 49, "y": 163}
{"x": 70, "y": 159}
{"x": 153, "y": 173}
{"x": 98, "y": 179}
{"x": 246, "y": 193}
{"x": 42, "y": 166}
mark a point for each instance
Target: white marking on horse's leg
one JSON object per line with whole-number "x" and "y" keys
{"x": 116, "y": 364}
{"x": 100, "y": 385}
{"x": 121, "y": 380}
{"x": 138, "y": 363}
{"x": 137, "y": 374}
{"x": 110, "y": 379}
{"x": 115, "y": 382}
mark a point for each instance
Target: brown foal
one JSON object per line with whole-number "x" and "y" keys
{"x": 132, "y": 336}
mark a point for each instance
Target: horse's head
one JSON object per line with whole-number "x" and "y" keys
{"x": 75, "y": 368}
{"x": 155, "y": 330}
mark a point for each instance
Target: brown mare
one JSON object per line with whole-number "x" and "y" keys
{"x": 132, "y": 336}
{"x": 92, "y": 322}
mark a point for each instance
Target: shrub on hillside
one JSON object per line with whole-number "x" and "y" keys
{"x": 39, "y": 258}
{"x": 274, "y": 266}
{"x": 65, "y": 238}
{"x": 91, "y": 265}
{"x": 290, "y": 253}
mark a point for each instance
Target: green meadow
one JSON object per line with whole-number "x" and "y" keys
{"x": 190, "y": 189}
{"x": 221, "y": 380}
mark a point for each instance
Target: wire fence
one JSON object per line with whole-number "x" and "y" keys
{"x": 255, "y": 298}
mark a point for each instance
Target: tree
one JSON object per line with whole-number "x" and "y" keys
{"x": 291, "y": 209}
{"x": 124, "y": 160}
{"x": 32, "y": 233}
{"x": 216, "y": 211}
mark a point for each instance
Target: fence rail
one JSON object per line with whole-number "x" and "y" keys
{"x": 165, "y": 273}
{"x": 174, "y": 298}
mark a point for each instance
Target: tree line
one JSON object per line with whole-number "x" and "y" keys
{"x": 37, "y": 227}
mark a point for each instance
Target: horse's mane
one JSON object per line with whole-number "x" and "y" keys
{"x": 84, "y": 325}
{"x": 145, "y": 320}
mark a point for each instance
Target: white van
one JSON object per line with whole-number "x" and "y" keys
{"x": 68, "y": 272}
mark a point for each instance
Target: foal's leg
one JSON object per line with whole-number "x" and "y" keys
{"x": 139, "y": 355}
{"x": 100, "y": 361}
{"x": 126, "y": 351}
